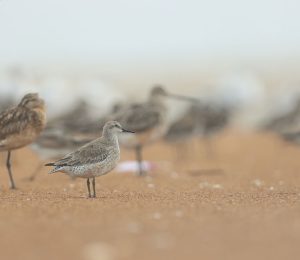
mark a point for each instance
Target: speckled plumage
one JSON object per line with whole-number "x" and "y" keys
{"x": 91, "y": 160}
{"x": 21, "y": 125}
{"x": 94, "y": 159}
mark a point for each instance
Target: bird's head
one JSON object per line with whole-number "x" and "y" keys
{"x": 32, "y": 101}
{"x": 114, "y": 127}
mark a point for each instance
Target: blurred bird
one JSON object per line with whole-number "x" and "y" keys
{"x": 147, "y": 120}
{"x": 93, "y": 159}
{"x": 78, "y": 121}
{"x": 284, "y": 123}
{"x": 201, "y": 120}
{"x": 287, "y": 125}
{"x": 211, "y": 118}
{"x": 21, "y": 125}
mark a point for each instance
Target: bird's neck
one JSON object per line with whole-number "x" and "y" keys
{"x": 157, "y": 100}
{"x": 110, "y": 137}
{"x": 40, "y": 116}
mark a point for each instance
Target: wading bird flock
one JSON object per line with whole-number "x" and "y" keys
{"x": 75, "y": 138}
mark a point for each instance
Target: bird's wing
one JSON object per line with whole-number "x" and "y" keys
{"x": 140, "y": 118}
{"x": 13, "y": 121}
{"x": 88, "y": 154}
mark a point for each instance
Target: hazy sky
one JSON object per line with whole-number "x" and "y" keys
{"x": 118, "y": 30}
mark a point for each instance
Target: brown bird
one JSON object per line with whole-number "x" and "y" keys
{"x": 21, "y": 125}
{"x": 147, "y": 119}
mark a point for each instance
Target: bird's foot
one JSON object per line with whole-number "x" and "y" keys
{"x": 13, "y": 187}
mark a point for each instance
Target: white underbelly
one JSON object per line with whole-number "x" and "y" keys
{"x": 93, "y": 170}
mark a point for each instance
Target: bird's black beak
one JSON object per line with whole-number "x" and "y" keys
{"x": 184, "y": 98}
{"x": 126, "y": 131}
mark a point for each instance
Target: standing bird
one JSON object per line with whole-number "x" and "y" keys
{"x": 94, "y": 159}
{"x": 21, "y": 125}
{"x": 203, "y": 120}
{"x": 148, "y": 120}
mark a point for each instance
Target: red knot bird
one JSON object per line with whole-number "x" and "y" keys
{"x": 94, "y": 159}
{"x": 147, "y": 120}
{"x": 21, "y": 125}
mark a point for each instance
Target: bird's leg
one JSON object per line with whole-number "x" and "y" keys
{"x": 88, "y": 186}
{"x": 94, "y": 187}
{"x": 139, "y": 159}
{"x": 8, "y": 165}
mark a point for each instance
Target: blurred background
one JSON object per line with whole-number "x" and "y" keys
{"x": 234, "y": 196}
{"x": 246, "y": 54}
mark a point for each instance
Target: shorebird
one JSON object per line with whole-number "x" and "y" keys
{"x": 286, "y": 125}
{"x": 202, "y": 120}
{"x": 21, "y": 125}
{"x": 286, "y": 122}
{"x": 66, "y": 133}
{"x": 147, "y": 120}
{"x": 94, "y": 159}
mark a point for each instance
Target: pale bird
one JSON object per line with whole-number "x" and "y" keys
{"x": 94, "y": 159}
{"x": 21, "y": 125}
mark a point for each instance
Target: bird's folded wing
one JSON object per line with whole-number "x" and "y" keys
{"x": 88, "y": 154}
{"x": 13, "y": 121}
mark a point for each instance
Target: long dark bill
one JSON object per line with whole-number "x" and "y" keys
{"x": 127, "y": 131}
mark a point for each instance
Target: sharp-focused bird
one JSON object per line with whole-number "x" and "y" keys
{"x": 94, "y": 159}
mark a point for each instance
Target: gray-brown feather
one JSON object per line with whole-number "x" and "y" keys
{"x": 21, "y": 125}
{"x": 140, "y": 118}
{"x": 8, "y": 120}
{"x": 90, "y": 153}
{"x": 15, "y": 120}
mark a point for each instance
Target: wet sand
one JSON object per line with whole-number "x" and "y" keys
{"x": 239, "y": 201}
